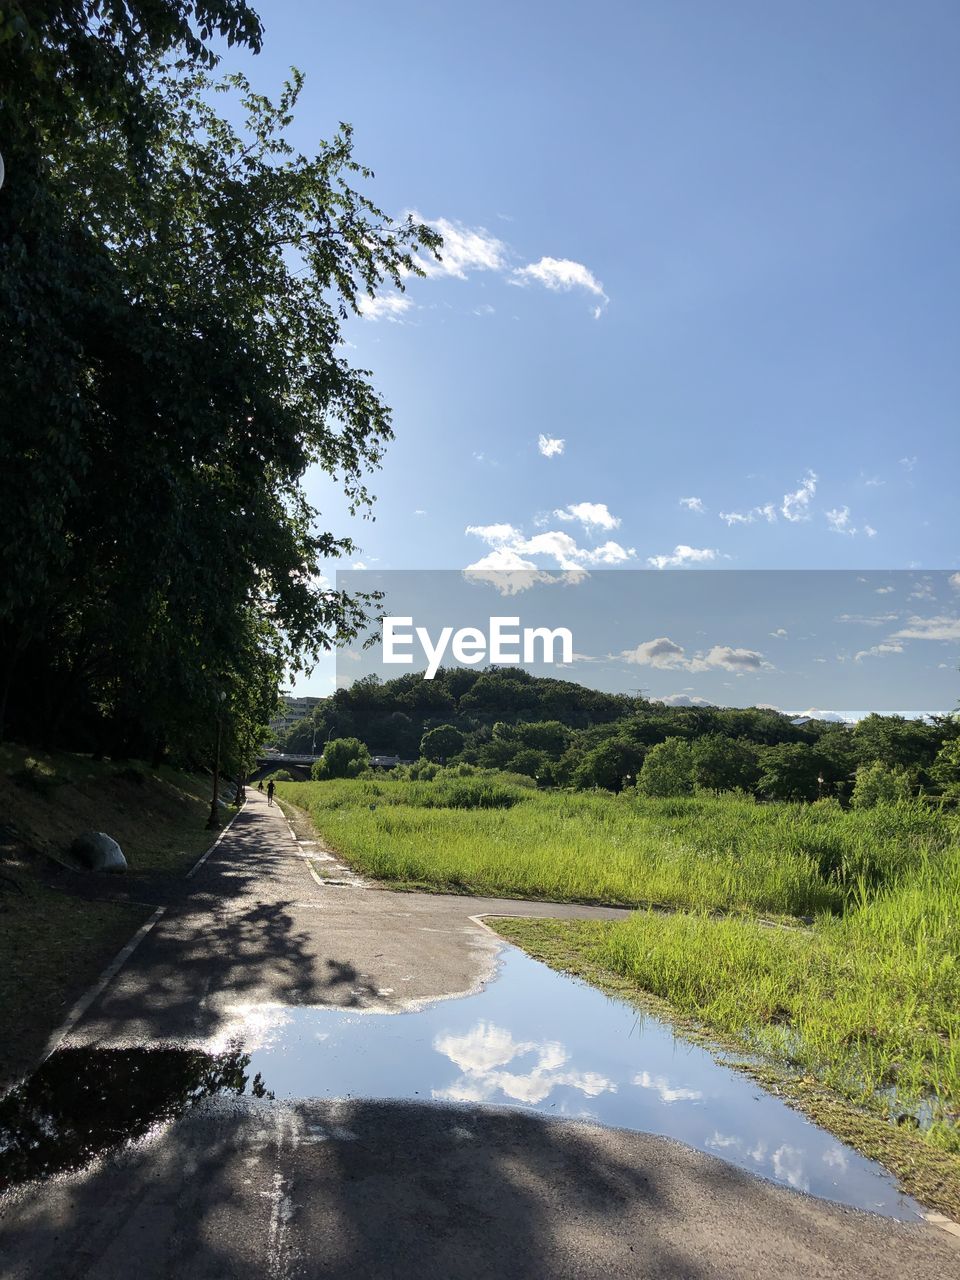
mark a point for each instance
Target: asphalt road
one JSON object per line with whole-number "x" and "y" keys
{"x": 252, "y": 1188}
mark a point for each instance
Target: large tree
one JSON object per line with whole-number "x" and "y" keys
{"x": 172, "y": 293}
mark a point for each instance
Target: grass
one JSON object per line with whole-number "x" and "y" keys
{"x": 857, "y": 1016}
{"x": 55, "y": 941}
{"x": 703, "y": 853}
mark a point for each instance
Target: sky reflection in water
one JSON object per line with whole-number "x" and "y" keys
{"x": 536, "y": 1039}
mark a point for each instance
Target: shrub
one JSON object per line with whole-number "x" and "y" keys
{"x": 441, "y": 743}
{"x": 667, "y": 769}
{"x": 342, "y": 758}
{"x": 877, "y": 783}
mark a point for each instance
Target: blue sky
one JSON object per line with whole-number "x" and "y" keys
{"x": 712, "y": 249}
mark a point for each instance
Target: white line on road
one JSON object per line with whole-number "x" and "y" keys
{"x": 203, "y": 857}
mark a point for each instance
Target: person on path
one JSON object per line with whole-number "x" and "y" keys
{"x": 260, "y": 785}
{"x": 270, "y": 792}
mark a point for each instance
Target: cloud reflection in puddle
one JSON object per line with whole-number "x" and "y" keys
{"x": 481, "y": 1052}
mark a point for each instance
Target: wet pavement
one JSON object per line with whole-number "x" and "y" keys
{"x": 298, "y": 1075}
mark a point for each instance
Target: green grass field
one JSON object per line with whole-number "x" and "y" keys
{"x": 704, "y": 853}
{"x": 865, "y": 1001}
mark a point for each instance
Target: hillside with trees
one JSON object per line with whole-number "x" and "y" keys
{"x": 564, "y": 734}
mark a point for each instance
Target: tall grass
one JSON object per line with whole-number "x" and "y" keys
{"x": 868, "y": 1002}
{"x": 702, "y": 852}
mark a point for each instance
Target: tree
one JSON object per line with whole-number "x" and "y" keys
{"x": 667, "y": 769}
{"x": 613, "y": 764}
{"x": 438, "y": 745}
{"x": 724, "y": 764}
{"x": 172, "y": 289}
{"x": 945, "y": 770}
{"x": 876, "y": 783}
{"x": 342, "y": 758}
{"x": 791, "y": 771}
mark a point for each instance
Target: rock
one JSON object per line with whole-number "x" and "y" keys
{"x": 97, "y": 851}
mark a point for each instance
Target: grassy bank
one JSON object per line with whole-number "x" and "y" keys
{"x": 58, "y": 929}
{"x": 703, "y": 853}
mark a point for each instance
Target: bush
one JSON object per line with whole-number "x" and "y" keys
{"x": 280, "y": 775}
{"x": 438, "y": 745}
{"x": 876, "y": 784}
{"x": 342, "y": 758}
{"x": 667, "y": 769}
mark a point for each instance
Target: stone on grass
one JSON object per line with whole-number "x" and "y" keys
{"x": 97, "y": 851}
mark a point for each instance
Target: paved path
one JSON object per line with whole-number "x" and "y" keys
{"x": 248, "y": 1188}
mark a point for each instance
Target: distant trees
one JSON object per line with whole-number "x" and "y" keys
{"x": 563, "y": 734}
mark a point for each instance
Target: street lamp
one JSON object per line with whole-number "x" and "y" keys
{"x": 213, "y": 822}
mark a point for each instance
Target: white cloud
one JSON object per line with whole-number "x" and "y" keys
{"x": 780, "y": 632}
{"x": 729, "y": 659}
{"x": 550, "y": 446}
{"x": 506, "y": 571}
{"x": 384, "y": 306}
{"x": 794, "y": 506}
{"x": 908, "y": 463}
{"x": 667, "y": 1092}
{"x": 568, "y": 555}
{"x": 878, "y": 650}
{"x": 868, "y": 620}
{"x": 495, "y": 534}
{"x": 483, "y": 1052}
{"x": 563, "y": 275}
{"x": 869, "y": 530}
{"x": 662, "y": 652}
{"x": 511, "y": 546}
{"x": 955, "y": 581}
{"x": 683, "y": 700}
{"x": 464, "y": 249}
{"x": 666, "y": 654}
{"x": 484, "y": 309}
{"x": 939, "y": 628}
{"x": 682, "y": 555}
{"x": 883, "y": 591}
{"x": 839, "y": 521}
{"x": 693, "y": 504}
{"x": 590, "y": 515}
{"x": 766, "y": 512}
{"x": 419, "y": 512}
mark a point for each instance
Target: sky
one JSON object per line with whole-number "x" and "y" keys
{"x": 700, "y": 299}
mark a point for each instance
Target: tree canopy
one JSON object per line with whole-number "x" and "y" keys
{"x": 172, "y": 292}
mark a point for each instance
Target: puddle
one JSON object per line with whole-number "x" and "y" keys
{"x": 532, "y": 1039}
{"x": 82, "y": 1102}
{"x": 536, "y": 1039}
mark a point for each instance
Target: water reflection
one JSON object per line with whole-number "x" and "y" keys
{"x": 480, "y": 1053}
{"x": 82, "y": 1102}
{"x": 536, "y": 1039}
